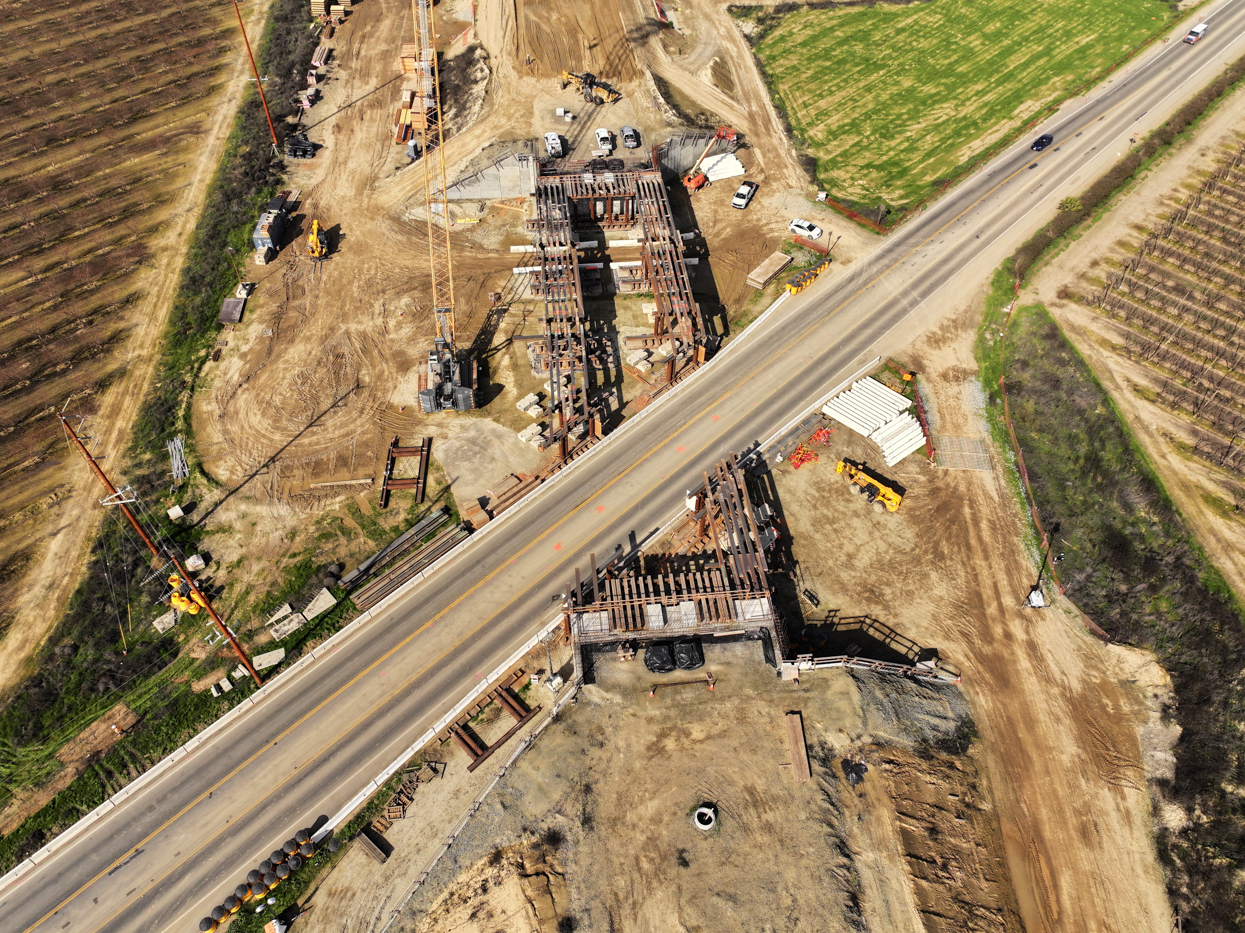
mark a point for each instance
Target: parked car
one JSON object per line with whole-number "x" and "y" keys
{"x": 743, "y": 197}
{"x": 804, "y": 228}
{"x": 1196, "y": 33}
{"x": 605, "y": 140}
{"x": 553, "y": 145}
{"x": 1042, "y": 142}
{"x": 630, "y": 138}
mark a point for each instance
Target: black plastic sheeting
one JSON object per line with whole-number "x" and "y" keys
{"x": 659, "y": 658}
{"x": 688, "y": 654}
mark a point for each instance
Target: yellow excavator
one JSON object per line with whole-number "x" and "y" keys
{"x": 588, "y": 84}
{"x": 317, "y": 244}
{"x": 876, "y": 490}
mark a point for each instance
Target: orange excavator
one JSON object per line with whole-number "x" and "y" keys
{"x": 696, "y": 179}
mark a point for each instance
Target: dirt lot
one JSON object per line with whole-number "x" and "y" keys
{"x": 320, "y": 375}
{"x": 1193, "y": 484}
{"x": 603, "y": 800}
{"x": 1060, "y": 714}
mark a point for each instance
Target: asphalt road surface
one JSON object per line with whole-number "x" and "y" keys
{"x": 162, "y": 859}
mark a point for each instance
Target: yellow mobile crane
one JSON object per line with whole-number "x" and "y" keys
{"x": 588, "y": 84}
{"x": 451, "y": 377}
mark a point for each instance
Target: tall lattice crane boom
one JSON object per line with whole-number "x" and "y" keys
{"x": 451, "y": 380}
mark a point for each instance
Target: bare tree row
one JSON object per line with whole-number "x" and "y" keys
{"x": 1228, "y": 453}
{"x": 1158, "y": 335}
{"x": 1202, "y": 402}
{"x": 1145, "y": 294}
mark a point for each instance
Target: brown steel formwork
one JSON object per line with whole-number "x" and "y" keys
{"x": 731, "y": 595}
{"x": 677, "y": 313}
{"x": 564, "y": 318}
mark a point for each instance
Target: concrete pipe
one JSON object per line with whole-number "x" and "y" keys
{"x": 265, "y": 866}
{"x": 276, "y": 856}
{"x": 207, "y": 924}
{"x": 271, "y": 880}
{"x": 232, "y": 904}
{"x": 219, "y": 914}
{"x": 242, "y": 892}
{"x": 282, "y": 871}
{"x": 252, "y": 876}
{"x": 290, "y": 847}
{"x": 258, "y": 889}
{"x": 307, "y": 850}
{"x": 302, "y": 836}
{"x": 295, "y": 863}
{"x": 705, "y": 818}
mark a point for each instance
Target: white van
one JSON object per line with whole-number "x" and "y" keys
{"x": 1196, "y": 32}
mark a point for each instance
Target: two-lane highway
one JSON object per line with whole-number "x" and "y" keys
{"x": 164, "y": 857}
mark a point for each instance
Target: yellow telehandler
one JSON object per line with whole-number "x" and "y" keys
{"x": 877, "y": 491}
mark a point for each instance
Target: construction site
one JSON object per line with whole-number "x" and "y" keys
{"x": 503, "y": 233}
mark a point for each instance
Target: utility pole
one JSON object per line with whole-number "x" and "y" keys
{"x": 229, "y": 253}
{"x": 120, "y": 500}
{"x": 259, "y": 85}
{"x": 1036, "y": 588}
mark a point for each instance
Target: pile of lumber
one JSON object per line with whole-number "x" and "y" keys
{"x": 408, "y": 57}
{"x": 412, "y": 116}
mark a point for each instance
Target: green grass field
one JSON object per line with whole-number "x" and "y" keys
{"x": 892, "y": 99}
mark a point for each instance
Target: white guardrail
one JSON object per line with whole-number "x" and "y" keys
{"x": 334, "y": 642}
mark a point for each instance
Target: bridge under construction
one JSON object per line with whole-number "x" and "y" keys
{"x": 607, "y": 194}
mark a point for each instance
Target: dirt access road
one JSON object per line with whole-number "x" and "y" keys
{"x": 1060, "y": 713}
{"x": 53, "y": 576}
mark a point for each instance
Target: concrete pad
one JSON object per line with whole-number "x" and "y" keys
{"x": 323, "y": 602}
{"x": 281, "y": 629}
{"x": 480, "y": 456}
{"x": 268, "y": 659}
{"x": 280, "y": 614}
{"x": 166, "y": 621}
